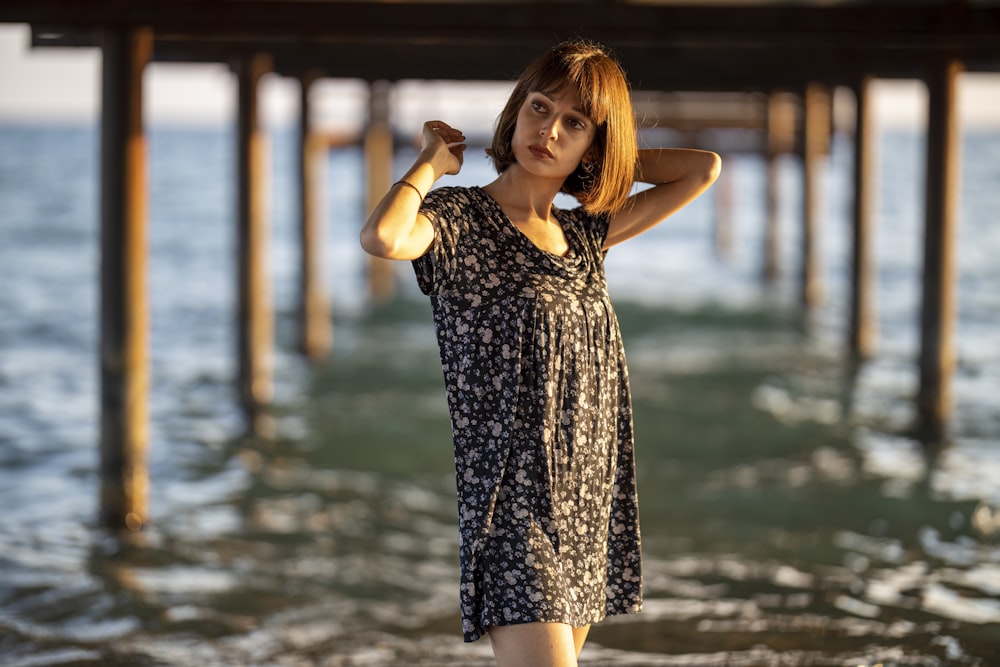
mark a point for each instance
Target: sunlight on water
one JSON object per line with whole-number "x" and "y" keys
{"x": 788, "y": 516}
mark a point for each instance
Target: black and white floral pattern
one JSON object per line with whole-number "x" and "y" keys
{"x": 541, "y": 417}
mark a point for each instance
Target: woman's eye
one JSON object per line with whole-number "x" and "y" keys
{"x": 538, "y": 106}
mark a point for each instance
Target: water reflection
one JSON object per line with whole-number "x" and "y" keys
{"x": 789, "y": 517}
{"x": 779, "y": 529}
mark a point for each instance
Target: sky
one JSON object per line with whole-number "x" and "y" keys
{"x": 63, "y": 84}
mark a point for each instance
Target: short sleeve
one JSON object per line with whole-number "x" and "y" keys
{"x": 599, "y": 225}
{"x": 435, "y": 266}
{"x": 593, "y": 227}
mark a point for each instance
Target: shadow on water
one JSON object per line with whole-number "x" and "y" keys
{"x": 779, "y": 526}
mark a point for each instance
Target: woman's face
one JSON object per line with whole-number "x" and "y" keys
{"x": 552, "y": 135}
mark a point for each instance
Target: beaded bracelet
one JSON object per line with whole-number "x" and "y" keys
{"x": 409, "y": 185}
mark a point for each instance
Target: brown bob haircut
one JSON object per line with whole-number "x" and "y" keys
{"x": 605, "y": 97}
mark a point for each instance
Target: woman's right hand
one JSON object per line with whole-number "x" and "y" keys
{"x": 443, "y": 146}
{"x": 395, "y": 229}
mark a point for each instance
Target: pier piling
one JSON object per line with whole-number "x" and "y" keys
{"x": 254, "y": 315}
{"x": 863, "y": 325}
{"x": 780, "y": 126}
{"x": 722, "y": 231}
{"x": 315, "y": 326}
{"x": 378, "y": 144}
{"x": 124, "y": 364}
{"x": 815, "y": 148}
{"x": 938, "y": 305}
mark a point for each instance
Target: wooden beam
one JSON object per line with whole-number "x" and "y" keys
{"x": 124, "y": 324}
{"x": 664, "y": 46}
{"x": 946, "y": 25}
{"x": 651, "y": 65}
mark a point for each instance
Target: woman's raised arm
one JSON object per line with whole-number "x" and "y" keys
{"x": 678, "y": 176}
{"x": 395, "y": 229}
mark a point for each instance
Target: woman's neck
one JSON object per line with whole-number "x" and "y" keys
{"x": 524, "y": 194}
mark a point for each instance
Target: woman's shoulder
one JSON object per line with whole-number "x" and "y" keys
{"x": 592, "y": 225}
{"x": 455, "y": 207}
{"x": 579, "y": 216}
{"x": 451, "y": 193}
{"x": 454, "y": 201}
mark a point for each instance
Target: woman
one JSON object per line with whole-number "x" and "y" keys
{"x": 533, "y": 360}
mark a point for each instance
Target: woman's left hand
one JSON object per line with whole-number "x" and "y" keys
{"x": 438, "y": 136}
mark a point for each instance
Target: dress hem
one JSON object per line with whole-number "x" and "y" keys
{"x": 480, "y": 632}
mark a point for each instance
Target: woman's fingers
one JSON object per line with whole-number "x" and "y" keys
{"x": 447, "y": 133}
{"x": 439, "y": 133}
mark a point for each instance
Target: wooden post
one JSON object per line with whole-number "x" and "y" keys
{"x": 254, "y": 317}
{"x": 724, "y": 215}
{"x": 315, "y": 327}
{"x": 939, "y": 307}
{"x": 780, "y": 137}
{"x": 124, "y": 373}
{"x": 863, "y": 331}
{"x": 815, "y": 148}
{"x": 378, "y": 162}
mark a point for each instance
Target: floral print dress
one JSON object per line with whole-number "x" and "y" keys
{"x": 541, "y": 418}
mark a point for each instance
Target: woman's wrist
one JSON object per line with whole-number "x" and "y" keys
{"x": 421, "y": 177}
{"x": 431, "y": 159}
{"x": 403, "y": 183}
{"x": 426, "y": 171}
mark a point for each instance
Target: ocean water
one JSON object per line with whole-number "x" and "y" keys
{"x": 788, "y": 518}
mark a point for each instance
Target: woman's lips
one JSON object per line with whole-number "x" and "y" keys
{"x": 540, "y": 152}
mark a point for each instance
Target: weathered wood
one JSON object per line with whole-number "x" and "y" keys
{"x": 815, "y": 148}
{"x": 949, "y": 25}
{"x": 666, "y": 46}
{"x": 863, "y": 324}
{"x": 723, "y": 227}
{"x": 254, "y": 322}
{"x": 315, "y": 326}
{"x": 378, "y": 143}
{"x": 780, "y": 140}
{"x": 124, "y": 326}
{"x": 938, "y": 306}
{"x": 652, "y": 65}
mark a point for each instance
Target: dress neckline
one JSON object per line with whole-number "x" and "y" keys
{"x": 570, "y": 238}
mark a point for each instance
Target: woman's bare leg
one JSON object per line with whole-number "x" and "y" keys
{"x": 580, "y": 636}
{"x": 535, "y": 645}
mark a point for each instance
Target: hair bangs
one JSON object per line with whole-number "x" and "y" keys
{"x": 579, "y": 72}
